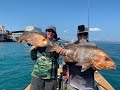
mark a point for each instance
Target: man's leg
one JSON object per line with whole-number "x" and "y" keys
{"x": 37, "y": 84}
{"x": 50, "y": 84}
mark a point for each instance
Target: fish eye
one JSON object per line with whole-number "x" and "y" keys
{"x": 107, "y": 59}
{"x": 43, "y": 39}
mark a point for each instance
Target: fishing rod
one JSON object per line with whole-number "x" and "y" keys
{"x": 88, "y": 9}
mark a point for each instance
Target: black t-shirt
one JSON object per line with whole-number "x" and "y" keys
{"x": 86, "y": 78}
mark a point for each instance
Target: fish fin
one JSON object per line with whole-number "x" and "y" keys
{"x": 85, "y": 64}
{"x": 84, "y": 67}
{"x": 25, "y": 33}
{"x": 23, "y": 41}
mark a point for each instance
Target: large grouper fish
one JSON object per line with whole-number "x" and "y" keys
{"x": 33, "y": 38}
{"x": 84, "y": 55}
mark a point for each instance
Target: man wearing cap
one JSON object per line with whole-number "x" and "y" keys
{"x": 80, "y": 80}
{"x": 44, "y": 74}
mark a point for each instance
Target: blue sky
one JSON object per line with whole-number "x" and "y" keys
{"x": 66, "y": 15}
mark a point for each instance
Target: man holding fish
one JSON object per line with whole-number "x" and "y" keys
{"x": 87, "y": 58}
{"x": 83, "y": 58}
{"x": 79, "y": 80}
{"x": 44, "y": 74}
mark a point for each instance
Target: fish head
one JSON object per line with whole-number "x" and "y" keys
{"x": 41, "y": 41}
{"x": 102, "y": 61}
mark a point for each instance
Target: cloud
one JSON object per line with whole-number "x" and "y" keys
{"x": 66, "y": 30}
{"x": 95, "y": 29}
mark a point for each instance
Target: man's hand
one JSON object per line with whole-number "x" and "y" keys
{"x": 33, "y": 47}
{"x": 61, "y": 51}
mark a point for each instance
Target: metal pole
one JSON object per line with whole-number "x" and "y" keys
{"x": 88, "y": 16}
{"x": 88, "y": 12}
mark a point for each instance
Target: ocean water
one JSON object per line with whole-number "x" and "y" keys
{"x": 16, "y": 65}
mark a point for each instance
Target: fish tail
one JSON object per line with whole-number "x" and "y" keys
{"x": 18, "y": 39}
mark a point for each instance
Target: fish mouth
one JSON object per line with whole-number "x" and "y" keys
{"x": 111, "y": 68}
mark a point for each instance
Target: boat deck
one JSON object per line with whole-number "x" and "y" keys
{"x": 100, "y": 80}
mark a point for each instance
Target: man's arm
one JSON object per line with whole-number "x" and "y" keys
{"x": 33, "y": 52}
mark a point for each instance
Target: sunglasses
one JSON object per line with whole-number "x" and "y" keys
{"x": 80, "y": 34}
{"x": 50, "y": 30}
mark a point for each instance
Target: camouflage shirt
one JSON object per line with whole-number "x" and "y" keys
{"x": 46, "y": 64}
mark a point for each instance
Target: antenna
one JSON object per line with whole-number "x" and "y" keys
{"x": 88, "y": 13}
